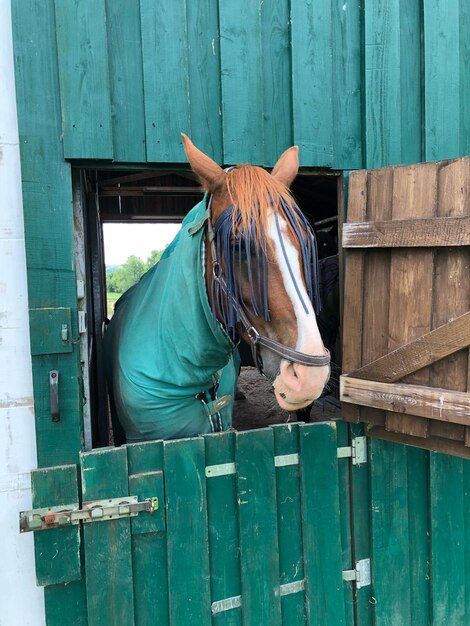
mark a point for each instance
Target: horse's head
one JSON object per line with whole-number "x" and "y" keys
{"x": 261, "y": 272}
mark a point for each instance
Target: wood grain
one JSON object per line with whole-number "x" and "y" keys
{"x": 410, "y": 400}
{"x": 418, "y": 233}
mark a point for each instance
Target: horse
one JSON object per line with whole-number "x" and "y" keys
{"x": 242, "y": 267}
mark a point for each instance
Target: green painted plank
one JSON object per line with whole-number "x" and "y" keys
{"x": 47, "y": 202}
{"x": 361, "y": 529}
{"x": 291, "y": 567}
{"x": 382, "y": 83}
{"x": 204, "y": 77}
{"x": 392, "y": 83}
{"x": 57, "y": 441}
{"x": 48, "y": 226}
{"x": 166, "y": 80}
{"x": 47, "y": 330}
{"x": 344, "y": 485}
{"x": 464, "y": 92}
{"x": 149, "y": 551}
{"x": 277, "y": 82}
{"x": 57, "y": 550}
{"x": 107, "y": 544}
{"x": 222, "y": 513}
{"x": 188, "y": 551}
{"x": 126, "y": 79}
{"x": 419, "y": 533}
{"x": 256, "y": 492}
{"x": 448, "y": 539}
{"x": 346, "y": 79}
{"x": 321, "y": 524}
{"x": 242, "y": 85}
{"x": 390, "y": 532}
{"x": 466, "y": 508}
{"x": 442, "y": 78}
{"x": 37, "y": 89}
{"x": 312, "y": 81}
{"x": 66, "y": 604}
{"x": 411, "y": 97}
{"x": 84, "y": 79}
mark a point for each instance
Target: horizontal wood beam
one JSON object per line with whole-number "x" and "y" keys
{"x": 437, "y": 404}
{"x": 419, "y": 353}
{"x": 149, "y": 190}
{"x": 438, "y": 444}
{"x": 415, "y": 233}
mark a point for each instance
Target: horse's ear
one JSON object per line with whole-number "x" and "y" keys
{"x": 287, "y": 166}
{"x": 211, "y": 175}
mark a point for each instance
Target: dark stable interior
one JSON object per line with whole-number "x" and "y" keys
{"x": 163, "y": 197}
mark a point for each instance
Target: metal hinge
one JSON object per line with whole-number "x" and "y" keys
{"x": 360, "y": 575}
{"x": 357, "y": 451}
{"x": 93, "y": 511}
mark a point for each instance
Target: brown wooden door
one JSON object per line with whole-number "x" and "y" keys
{"x": 406, "y": 319}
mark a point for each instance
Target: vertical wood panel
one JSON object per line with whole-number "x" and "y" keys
{"x": 419, "y": 533}
{"x": 47, "y": 203}
{"x": 411, "y": 292}
{"x": 222, "y": 512}
{"x": 354, "y": 285}
{"x": 320, "y": 524}
{"x": 347, "y": 85}
{"x": 57, "y": 551}
{"x": 108, "y": 560}
{"x": 84, "y": 79}
{"x": 256, "y": 491}
{"x": 442, "y": 78}
{"x": 390, "y": 533}
{"x": 166, "y": 79}
{"x": 276, "y": 79}
{"x": 241, "y": 72}
{"x": 311, "y": 81}
{"x": 126, "y": 79}
{"x": 392, "y": 82}
{"x": 188, "y": 550}
{"x": 204, "y": 77}
{"x": 291, "y": 568}
{"x": 448, "y": 537}
{"x": 149, "y": 551}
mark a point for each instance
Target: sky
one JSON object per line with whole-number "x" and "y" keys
{"x": 122, "y": 240}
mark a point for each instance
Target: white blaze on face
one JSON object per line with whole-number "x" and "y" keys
{"x": 309, "y": 339}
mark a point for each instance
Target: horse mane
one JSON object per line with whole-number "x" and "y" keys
{"x": 252, "y": 192}
{"x": 255, "y": 195}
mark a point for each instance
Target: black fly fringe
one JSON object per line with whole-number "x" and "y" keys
{"x": 237, "y": 248}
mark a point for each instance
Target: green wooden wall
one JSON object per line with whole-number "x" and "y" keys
{"x": 355, "y": 84}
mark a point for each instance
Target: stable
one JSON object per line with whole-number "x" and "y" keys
{"x": 291, "y": 524}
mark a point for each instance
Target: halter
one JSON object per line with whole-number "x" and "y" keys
{"x": 256, "y": 339}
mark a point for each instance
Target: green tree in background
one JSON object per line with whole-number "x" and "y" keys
{"x": 122, "y": 278}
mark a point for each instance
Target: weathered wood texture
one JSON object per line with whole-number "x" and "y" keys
{"x": 248, "y": 531}
{"x": 415, "y": 302}
{"x": 352, "y": 85}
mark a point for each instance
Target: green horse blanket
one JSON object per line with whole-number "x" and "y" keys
{"x": 171, "y": 370}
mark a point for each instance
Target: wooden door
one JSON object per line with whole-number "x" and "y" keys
{"x": 250, "y": 529}
{"x": 406, "y": 322}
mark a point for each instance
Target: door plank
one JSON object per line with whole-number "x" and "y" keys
{"x": 353, "y": 286}
{"x": 414, "y": 188}
{"x": 414, "y": 400}
{"x": 108, "y": 561}
{"x": 423, "y": 351}
{"x": 451, "y": 271}
{"x": 414, "y": 233}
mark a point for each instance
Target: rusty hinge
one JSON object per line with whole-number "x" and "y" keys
{"x": 93, "y": 511}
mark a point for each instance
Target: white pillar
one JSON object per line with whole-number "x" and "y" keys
{"x": 22, "y": 603}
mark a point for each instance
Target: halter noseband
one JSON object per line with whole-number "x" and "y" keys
{"x": 256, "y": 339}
